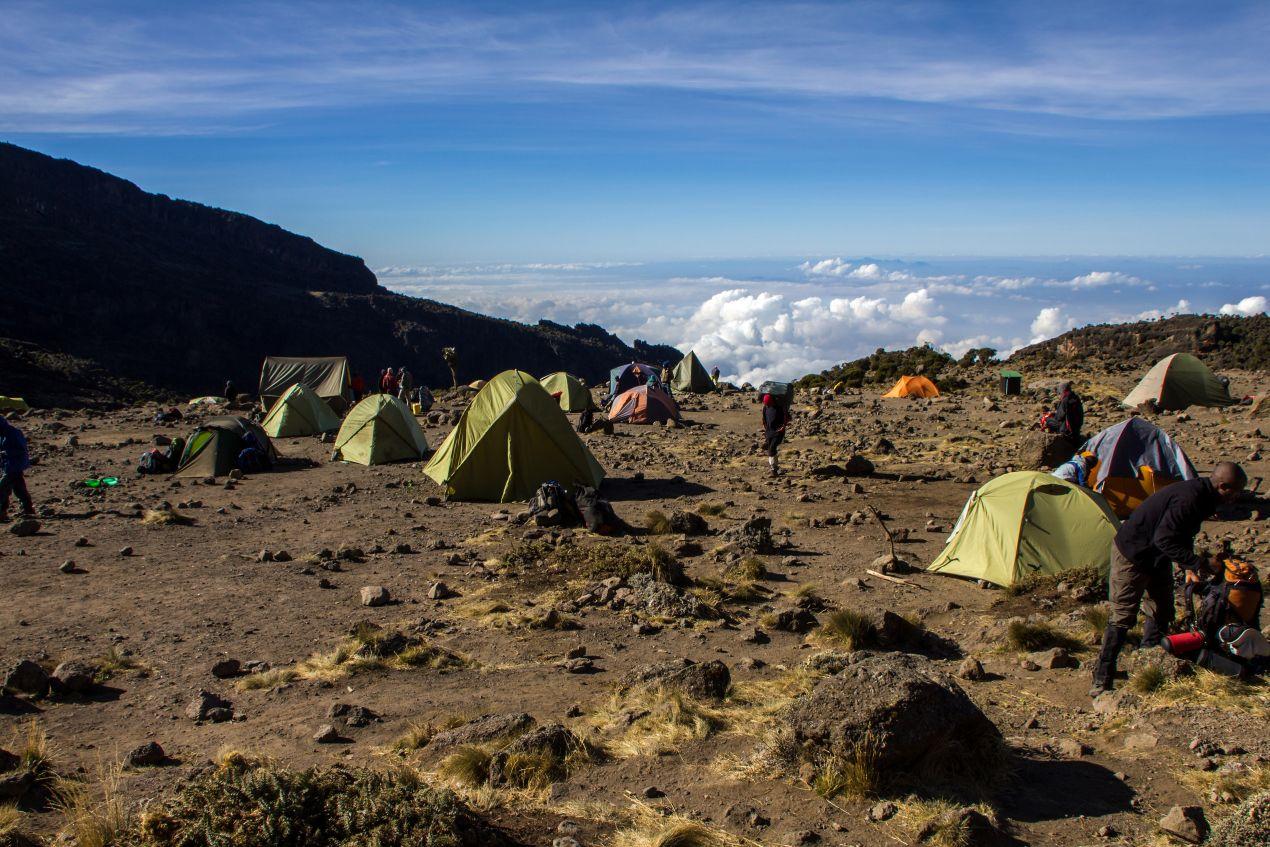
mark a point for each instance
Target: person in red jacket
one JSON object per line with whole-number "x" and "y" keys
{"x": 774, "y": 420}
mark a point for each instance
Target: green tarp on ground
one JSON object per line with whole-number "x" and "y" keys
{"x": 1025, "y": 524}
{"x": 574, "y": 396}
{"x": 213, "y": 448}
{"x": 380, "y": 429}
{"x": 325, "y": 376}
{"x": 512, "y": 438}
{"x": 299, "y": 412}
{"x": 690, "y": 376}
{"x": 1178, "y": 381}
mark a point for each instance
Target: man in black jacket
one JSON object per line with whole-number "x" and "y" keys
{"x": 1160, "y": 532}
{"x": 1069, "y": 413}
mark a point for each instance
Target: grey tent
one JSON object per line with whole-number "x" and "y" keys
{"x": 689, "y": 376}
{"x": 325, "y": 376}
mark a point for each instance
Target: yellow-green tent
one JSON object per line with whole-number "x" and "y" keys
{"x": 574, "y": 396}
{"x": 1178, "y": 381}
{"x": 13, "y": 404}
{"x": 380, "y": 429}
{"x": 1027, "y": 523}
{"x": 690, "y": 376}
{"x": 299, "y": 412}
{"x": 512, "y": 438}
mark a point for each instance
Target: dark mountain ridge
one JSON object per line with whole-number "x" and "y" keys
{"x": 183, "y": 296}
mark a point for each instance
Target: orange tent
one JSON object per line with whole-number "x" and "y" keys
{"x": 643, "y": 405}
{"x": 913, "y": 386}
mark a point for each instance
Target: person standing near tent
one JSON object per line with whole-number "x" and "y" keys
{"x": 1069, "y": 413}
{"x": 714, "y": 374}
{"x": 358, "y": 385}
{"x": 405, "y": 384}
{"x": 15, "y": 458}
{"x": 231, "y": 390}
{"x": 1160, "y": 532}
{"x": 451, "y": 356}
{"x": 774, "y": 420}
{"x": 666, "y": 375}
{"x": 390, "y": 383}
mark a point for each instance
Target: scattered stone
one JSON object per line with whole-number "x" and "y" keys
{"x": 703, "y": 680}
{"x": 126, "y": 551}
{"x": 576, "y": 665}
{"x": 207, "y": 706}
{"x": 652, "y": 792}
{"x": 578, "y": 652}
{"x": 754, "y": 635}
{"x": 884, "y": 811}
{"x": 74, "y": 676}
{"x": 1053, "y": 659}
{"x": 29, "y": 678}
{"x": 439, "y": 591}
{"x": 226, "y": 668}
{"x": 482, "y": 730}
{"x": 972, "y": 669}
{"x": 327, "y": 734}
{"x": 375, "y": 595}
{"x": 795, "y": 620}
{"x": 1187, "y": 823}
{"x": 688, "y": 523}
{"x": 81, "y": 542}
{"x": 351, "y": 715}
{"x": 68, "y": 566}
{"x": 858, "y": 465}
{"x": 24, "y": 527}
{"x": 1141, "y": 741}
{"x": 553, "y": 741}
{"x": 147, "y": 755}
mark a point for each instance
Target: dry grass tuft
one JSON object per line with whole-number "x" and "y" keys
{"x": 933, "y": 822}
{"x": 115, "y": 663}
{"x": 1095, "y": 619}
{"x": 1205, "y": 689}
{"x": 656, "y": 522}
{"x": 166, "y": 517}
{"x": 855, "y": 776}
{"x": 664, "y": 721}
{"x": 97, "y": 815}
{"x": 38, "y": 757}
{"x": 467, "y": 766}
{"x": 1030, "y": 637}
{"x": 649, "y": 827}
{"x": 848, "y": 630}
{"x": 747, "y": 570}
{"x": 1147, "y": 679}
{"x": 711, "y": 510}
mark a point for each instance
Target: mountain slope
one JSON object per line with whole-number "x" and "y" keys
{"x": 184, "y": 296}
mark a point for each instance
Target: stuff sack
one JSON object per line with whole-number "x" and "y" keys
{"x": 597, "y": 513}
{"x": 782, "y": 393}
{"x": 153, "y": 462}
{"x": 1237, "y": 598}
{"x": 553, "y": 505}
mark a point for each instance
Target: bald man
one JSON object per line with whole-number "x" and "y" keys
{"x": 1161, "y": 532}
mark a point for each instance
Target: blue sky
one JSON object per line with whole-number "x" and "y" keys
{"x": 427, "y": 135}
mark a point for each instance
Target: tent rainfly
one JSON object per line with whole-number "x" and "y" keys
{"x": 1178, "y": 381}
{"x": 299, "y": 412}
{"x": 511, "y": 439}
{"x": 325, "y": 376}
{"x": 1026, "y": 524}
{"x": 913, "y": 386}
{"x": 569, "y": 390}
{"x": 643, "y": 405}
{"x": 1131, "y": 461}
{"x": 378, "y": 430}
{"x": 628, "y": 376}
{"x": 212, "y": 450}
{"x": 690, "y": 376}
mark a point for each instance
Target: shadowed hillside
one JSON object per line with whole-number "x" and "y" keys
{"x": 183, "y": 296}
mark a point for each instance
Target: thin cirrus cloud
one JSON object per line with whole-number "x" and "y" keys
{"x": 102, "y": 68}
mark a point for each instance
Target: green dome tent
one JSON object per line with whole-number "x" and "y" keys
{"x": 1178, "y": 381}
{"x": 512, "y": 438}
{"x": 213, "y": 448}
{"x": 1028, "y": 523}
{"x": 574, "y": 396}
{"x": 299, "y": 412}
{"x": 380, "y": 429}
{"x": 690, "y": 376}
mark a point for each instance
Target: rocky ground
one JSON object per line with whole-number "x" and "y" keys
{"x": 329, "y": 613}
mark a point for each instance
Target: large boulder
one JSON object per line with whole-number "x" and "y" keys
{"x": 1044, "y": 450}
{"x": 704, "y": 680}
{"x": 74, "y": 676}
{"x": 541, "y": 752}
{"x": 899, "y": 711}
{"x": 688, "y": 523}
{"x": 483, "y": 730}
{"x": 754, "y": 536}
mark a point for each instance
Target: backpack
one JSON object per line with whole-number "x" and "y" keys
{"x": 553, "y": 505}
{"x": 597, "y": 513}
{"x": 176, "y": 448}
{"x": 152, "y": 462}
{"x": 1235, "y": 600}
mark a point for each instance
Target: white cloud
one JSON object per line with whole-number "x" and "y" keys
{"x": 1247, "y": 307}
{"x": 1050, "y": 322}
{"x": 1183, "y": 307}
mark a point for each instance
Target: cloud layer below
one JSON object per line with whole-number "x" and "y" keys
{"x": 770, "y": 319}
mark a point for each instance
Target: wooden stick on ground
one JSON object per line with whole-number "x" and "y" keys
{"x": 895, "y": 579}
{"x": 890, "y": 539}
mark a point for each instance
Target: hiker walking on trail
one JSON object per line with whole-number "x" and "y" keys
{"x": 1069, "y": 413}
{"x": 405, "y": 384}
{"x": 1161, "y": 532}
{"x": 774, "y": 420}
{"x": 14, "y": 461}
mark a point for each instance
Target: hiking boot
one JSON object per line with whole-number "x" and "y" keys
{"x": 1099, "y": 688}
